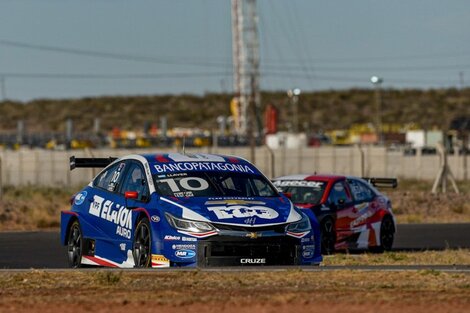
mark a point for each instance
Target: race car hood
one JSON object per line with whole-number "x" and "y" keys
{"x": 255, "y": 212}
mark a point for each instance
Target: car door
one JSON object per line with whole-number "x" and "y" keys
{"x": 363, "y": 196}
{"x": 341, "y": 201}
{"x": 108, "y": 205}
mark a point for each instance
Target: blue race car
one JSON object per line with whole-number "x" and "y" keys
{"x": 162, "y": 210}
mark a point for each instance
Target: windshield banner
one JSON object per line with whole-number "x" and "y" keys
{"x": 203, "y": 166}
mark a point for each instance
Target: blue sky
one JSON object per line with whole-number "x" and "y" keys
{"x": 146, "y": 47}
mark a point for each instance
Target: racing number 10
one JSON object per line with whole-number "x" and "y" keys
{"x": 184, "y": 183}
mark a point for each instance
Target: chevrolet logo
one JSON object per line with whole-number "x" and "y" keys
{"x": 253, "y": 235}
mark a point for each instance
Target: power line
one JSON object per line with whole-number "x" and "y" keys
{"x": 356, "y": 79}
{"x": 109, "y": 76}
{"x": 223, "y": 64}
{"x": 372, "y": 69}
{"x": 112, "y": 55}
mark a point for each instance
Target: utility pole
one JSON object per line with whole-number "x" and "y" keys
{"x": 245, "y": 55}
{"x": 293, "y": 95}
{"x": 464, "y": 133}
{"x": 2, "y": 88}
{"x": 377, "y": 81}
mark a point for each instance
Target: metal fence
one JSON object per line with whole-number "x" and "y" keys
{"x": 51, "y": 168}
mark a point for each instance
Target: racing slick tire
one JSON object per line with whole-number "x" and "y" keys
{"x": 328, "y": 236}
{"x": 75, "y": 245}
{"x": 141, "y": 248}
{"x": 387, "y": 235}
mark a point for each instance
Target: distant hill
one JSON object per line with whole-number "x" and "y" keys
{"x": 318, "y": 110}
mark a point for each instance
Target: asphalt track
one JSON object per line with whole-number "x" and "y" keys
{"x": 42, "y": 250}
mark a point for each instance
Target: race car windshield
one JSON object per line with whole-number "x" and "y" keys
{"x": 302, "y": 192}
{"x": 213, "y": 184}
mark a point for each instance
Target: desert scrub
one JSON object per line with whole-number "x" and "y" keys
{"x": 33, "y": 207}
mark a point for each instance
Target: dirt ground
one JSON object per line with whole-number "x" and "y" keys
{"x": 196, "y": 291}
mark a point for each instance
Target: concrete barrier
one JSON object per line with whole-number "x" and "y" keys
{"x": 51, "y": 168}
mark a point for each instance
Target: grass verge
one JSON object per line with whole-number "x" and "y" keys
{"x": 295, "y": 290}
{"x": 446, "y": 257}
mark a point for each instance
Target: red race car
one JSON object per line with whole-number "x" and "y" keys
{"x": 352, "y": 213}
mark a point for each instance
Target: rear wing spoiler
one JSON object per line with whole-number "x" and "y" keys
{"x": 90, "y": 162}
{"x": 382, "y": 182}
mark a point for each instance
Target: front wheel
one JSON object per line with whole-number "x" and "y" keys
{"x": 75, "y": 245}
{"x": 328, "y": 236}
{"x": 142, "y": 244}
{"x": 387, "y": 235}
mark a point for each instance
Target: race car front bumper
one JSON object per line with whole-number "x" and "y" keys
{"x": 236, "y": 251}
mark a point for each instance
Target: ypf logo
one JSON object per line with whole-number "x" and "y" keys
{"x": 241, "y": 211}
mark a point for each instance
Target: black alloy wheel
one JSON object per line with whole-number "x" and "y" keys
{"x": 142, "y": 244}
{"x": 75, "y": 245}
{"x": 328, "y": 236}
{"x": 387, "y": 233}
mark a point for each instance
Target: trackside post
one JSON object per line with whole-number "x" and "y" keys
{"x": 1, "y": 182}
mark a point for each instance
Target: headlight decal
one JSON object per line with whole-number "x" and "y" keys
{"x": 192, "y": 228}
{"x": 299, "y": 229}
{"x": 294, "y": 216}
{"x": 297, "y": 235}
{"x": 187, "y": 213}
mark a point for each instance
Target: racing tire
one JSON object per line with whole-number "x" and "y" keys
{"x": 387, "y": 235}
{"x": 328, "y": 236}
{"x": 75, "y": 245}
{"x": 141, "y": 248}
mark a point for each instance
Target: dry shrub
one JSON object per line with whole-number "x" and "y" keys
{"x": 33, "y": 207}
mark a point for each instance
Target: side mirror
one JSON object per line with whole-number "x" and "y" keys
{"x": 131, "y": 195}
{"x": 288, "y": 195}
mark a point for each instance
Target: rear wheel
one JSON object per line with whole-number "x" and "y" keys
{"x": 328, "y": 236}
{"x": 142, "y": 244}
{"x": 75, "y": 245}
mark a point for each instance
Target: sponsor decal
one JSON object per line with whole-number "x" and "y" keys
{"x": 250, "y": 221}
{"x": 361, "y": 219}
{"x": 298, "y": 183}
{"x": 183, "y": 247}
{"x": 122, "y": 246}
{"x": 223, "y": 200}
{"x": 170, "y": 237}
{"x": 80, "y": 197}
{"x": 148, "y": 173}
{"x": 308, "y": 253}
{"x": 188, "y": 239}
{"x": 234, "y": 201}
{"x": 155, "y": 218}
{"x": 338, "y": 187}
{"x": 160, "y": 261}
{"x": 202, "y": 166}
{"x": 241, "y": 211}
{"x": 114, "y": 213}
{"x": 185, "y": 254}
{"x": 112, "y": 184}
{"x": 253, "y": 261}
